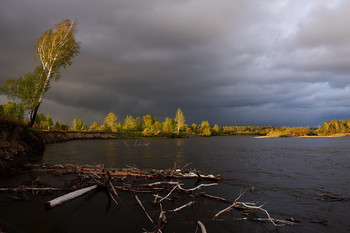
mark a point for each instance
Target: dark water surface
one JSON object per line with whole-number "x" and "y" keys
{"x": 286, "y": 173}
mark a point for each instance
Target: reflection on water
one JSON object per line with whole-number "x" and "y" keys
{"x": 180, "y": 142}
{"x": 287, "y": 173}
{"x": 180, "y": 155}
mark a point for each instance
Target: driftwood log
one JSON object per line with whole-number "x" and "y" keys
{"x": 69, "y": 196}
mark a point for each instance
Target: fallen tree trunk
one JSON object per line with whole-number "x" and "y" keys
{"x": 69, "y": 196}
{"x": 61, "y": 169}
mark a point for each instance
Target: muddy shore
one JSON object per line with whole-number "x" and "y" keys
{"x": 19, "y": 145}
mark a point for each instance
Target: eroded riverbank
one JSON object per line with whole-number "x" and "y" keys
{"x": 18, "y": 144}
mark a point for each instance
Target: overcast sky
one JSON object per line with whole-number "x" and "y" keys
{"x": 231, "y": 62}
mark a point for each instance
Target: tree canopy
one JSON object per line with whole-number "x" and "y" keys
{"x": 110, "y": 122}
{"x": 23, "y": 88}
{"x": 12, "y": 110}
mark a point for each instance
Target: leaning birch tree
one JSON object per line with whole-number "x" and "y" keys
{"x": 55, "y": 49}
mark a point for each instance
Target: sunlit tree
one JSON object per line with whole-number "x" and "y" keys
{"x": 60, "y": 126}
{"x": 49, "y": 120}
{"x": 39, "y": 118}
{"x": 205, "y": 128}
{"x": 55, "y": 49}
{"x": 23, "y": 88}
{"x": 147, "y": 132}
{"x": 147, "y": 121}
{"x": 168, "y": 126}
{"x": 156, "y": 128}
{"x": 193, "y": 128}
{"x": 111, "y": 123}
{"x": 94, "y": 126}
{"x": 77, "y": 125}
{"x": 180, "y": 120}
{"x": 138, "y": 123}
{"x": 12, "y": 110}
{"x": 129, "y": 124}
{"x": 216, "y": 129}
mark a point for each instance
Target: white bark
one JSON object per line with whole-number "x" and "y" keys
{"x": 69, "y": 196}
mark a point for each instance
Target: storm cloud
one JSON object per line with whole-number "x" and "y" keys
{"x": 231, "y": 62}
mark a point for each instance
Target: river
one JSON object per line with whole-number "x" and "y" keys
{"x": 289, "y": 174}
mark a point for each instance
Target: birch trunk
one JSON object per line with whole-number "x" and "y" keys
{"x": 32, "y": 115}
{"x": 34, "y": 111}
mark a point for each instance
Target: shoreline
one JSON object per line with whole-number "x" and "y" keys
{"x": 313, "y": 136}
{"x": 49, "y": 137}
{"x": 19, "y": 144}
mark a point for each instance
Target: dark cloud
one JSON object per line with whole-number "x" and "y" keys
{"x": 229, "y": 62}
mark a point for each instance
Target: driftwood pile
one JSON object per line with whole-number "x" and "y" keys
{"x": 166, "y": 185}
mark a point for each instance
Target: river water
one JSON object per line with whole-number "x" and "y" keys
{"x": 289, "y": 174}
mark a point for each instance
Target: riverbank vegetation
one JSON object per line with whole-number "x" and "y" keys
{"x": 150, "y": 126}
{"x": 334, "y": 127}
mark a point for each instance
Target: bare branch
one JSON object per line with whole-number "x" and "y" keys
{"x": 181, "y": 207}
{"x": 245, "y": 205}
{"x": 113, "y": 189}
{"x": 168, "y": 193}
{"x": 215, "y": 197}
{"x": 197, "y": 187}
{"x": 143, "y": 208}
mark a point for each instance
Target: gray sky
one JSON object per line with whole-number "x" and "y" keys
{"x": 231, "y": 62}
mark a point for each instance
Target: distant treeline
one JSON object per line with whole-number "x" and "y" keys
{"x": 334, "y": 127}
{"x": 151, "y": 126}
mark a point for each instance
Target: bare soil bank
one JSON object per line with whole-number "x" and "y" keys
{"x": 19, "y": 145}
